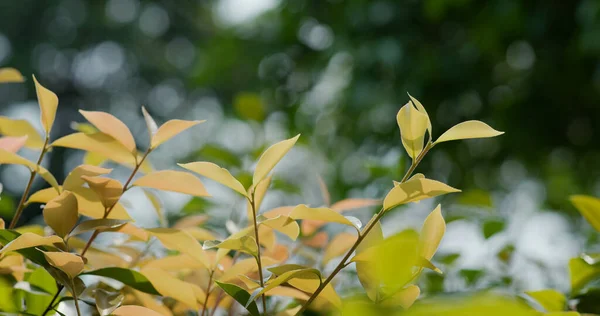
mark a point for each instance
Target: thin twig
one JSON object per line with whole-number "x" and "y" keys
{"x": 208, "y": 288}
{"x": 258, "y": 259}
{"x": 75, "y": 298}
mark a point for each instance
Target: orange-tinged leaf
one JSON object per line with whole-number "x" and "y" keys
{"x": 17, "y": 128}
{"x": 324, "y": 191}
{"x": 468, "y": 129}
{"x": 10, "y": 75}
{"x": 134, "y": 310}
{"x": 405, "y": 297}
{"x": 170, "y": 129}
{"x": 112, "y": 126}
{"x": 415, "y": 190}
{"x": 181, "y": 241}
{"x": 167, "y": 285}
{"x": 98, "y": 143}
{"x": 61, "y": 213}
{"x": 148, "y": 301}
{"x": 14, "y": 159}
{"x": 12, "y": 144}
{"x": 320, "y": 214}
{"x": 338, "y": 246}
{"x": 271, "y": 157}
{"x": 108, "y": 190}
{"x": 28, "y": 240}
{"x": 413, "y": 125}
{"x": 175, "y": 181}
{"x": 69, "y": 263}
{"x": 200, "y": 233}
{"x": 74, "y": 180}
{"x": 432, "y": 233}
{"x": 216, "y": 173}
{"x": 48, "y": 104}
{"x": 318, "y": 240}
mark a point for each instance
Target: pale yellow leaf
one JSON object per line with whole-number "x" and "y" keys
{"x": 175, "y": 181}
{"x": 112, "y": 126}
{"x": 245, "y": 244}
{"x": 150, "y": 123}
{"x": 93, "y": 159}
{"x": 199, "y": 233}
{"x": 12, "y": 144}
{"x": 415, "y": 190}
{"x": 468, "y": 129}
{"x": 216, "y": 173}
{"x": 99, "y": 143}
{"x": 421, "y": 109}
{"x": 550, "y": 300}
{"x": 133, "y": 231}
{"x": 258, "y": 193}
{"x": 61, "y": 213}
{"x": 134, "y": 310}
{"x": 48, "y": 104}
{"x": 67, "y": 262}
{"x": 90, "y": 204}
{"x": 284, "y": 225}
{"x": 271, "y": 157}
{"x": 338, "y": 246}
{"x": 432, "y": 233}
{"x": 190, "y": 221}
{"x": 288, "y": 292}
{"x": 42, "y": 196}
{"x": 108, "y": 190}
{"x": 350, "y": 204}
{"x": 28, "y": 240}
{"x": 14, "y": 159}
{"x": 243, "y": 267}
{"x": 181, "y": 241}
{"x": 589, "y": 207}
{"x": 175, "y": 263}
{"x": 157, "y": 308}
{"x": 10, "y": 75}
{"x": 320, "y": 214}
{"x": 366, "y": 270}
{"x": 15, "y": 128}
{"x": 310, "y": 286}
{"x": 168, "y": 285}
{"x": 405, "y": 298}
{"x": 74, "y": 180}
{"x": 170, "y": 129}
{"x": 413, "y": 125}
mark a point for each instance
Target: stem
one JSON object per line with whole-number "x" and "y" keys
{"x": 75, "y": 298}
{"x": 21, "y": 206}
{"x": 362, "y": 236}
{"x": 125, "y": 188}
{"x": 49, "y": 307}
{"x": 258, "y": 260}
{"x": 210, "y": 281}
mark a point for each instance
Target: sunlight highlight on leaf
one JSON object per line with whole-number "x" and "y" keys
{"x": 415, "y": 190}
{"x": 468, "y": 129}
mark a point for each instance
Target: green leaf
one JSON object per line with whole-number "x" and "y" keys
{"x": 589, "y": 207}
{"x": 550, "y": 300}
{"x": 241, "y": 296}
{"x": 128, "y": 277}
{"x": 40, "y": 278}
{"x": 581, "y": 274}
{"x": 97, "y": 224}
{"x": 490, "y": 228}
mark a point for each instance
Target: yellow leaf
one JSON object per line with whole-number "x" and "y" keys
{"x": 199, "y": 233}
{"x": 415, "y": 190}
{"x": 132, "y": 230}
{"x": 61, "y": 213}
{"x": 157, "y": 206}
{"x": 175, "y": 181}
{"x": 271, "y": 157}
{"x": 589, "y": 207}
{"x": 10, "y": 127}
{"x": 112, "y": 126}
{"x": 150, "y": 123}
{"x": 245, "y": 243}
{"x": 74, "y": 180}
{"x": 405, "y": 298}
{"x": 190, "y": 221}
{"x": 28, "y": 240}
{"x": 170, "y": 129}
{"x": 468, "y": 129}
{"x": 42, "y": 196}
{"x": 421, "y": 109}
{"x": 350, "y": 204}
{"x": 98, "y": 143}
{"x": 432, "y": 233}
{"x": 69, "y": 263}
{"x": 338, "y": 246}
{"x": 93, "y": 159}
{"x": 48, "y": 104}
{"x": 243, "y": 267}
{"x": 413, "y": 125}
{"x": 284, "y": 225}
{"x": 581, "y": 274}
{"x": 2, "y": 224}
{"x": 216, "y": 173}
{"x": 320, "y": 214}
{"x": 257, "y": 192}
{"x": 288, "y": 292}
{"x": 10, "y": 75}
{"x": 108, "y": 190}
{"x": 133, "y": 310}
{"x": 175, "y": 263}
{"x": 90, "y": 204}
{"x": 181, "y": 241}
{"x": 14, "y": 159}
{"x": 487, "y": 303}
{"x": 12, "y": 144}
{"x": 310, "y": 286}
{"x": 550, "y": 300}
{"x": 167, "y": 285}
{"x": 365, "y": 270}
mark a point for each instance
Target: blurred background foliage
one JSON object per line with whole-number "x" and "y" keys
{"x": 337, "y": 71}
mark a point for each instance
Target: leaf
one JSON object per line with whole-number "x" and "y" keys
{"x": 415, "y": 190}
{"x": 170, "y": 129}
{"x": 61, "y": 213}
{"x": 413, "y": 124}
{"x": 216, "y": 173}
{"x": 90, "y": 204}
{"x": 244, "y": 267}
{"x": 28, "y": 240}
{"x": 167, "y": 285}
{"x": 40, "y": 278}
{"x": 150, "y": 123}
{"x": 48, "y": 104}
{"x": 581, "y": 274}
{"x": 10, "y": 75}
{"x": 175, "y": 263}
{"x": 338, "y": 246}
{"x": 108, "y": 190}
{"x": 107, "y": 302}
{"x": 491, "y": 228}
{"x": 18, "y": 128}
{"x": 550, "y": 300}
{"x": 421, "y": 109}
{"x": 487, "y": 304}
{"x": 305, "y": 273}
{"x": 99, "y": 143}
{"x": 112, "y": 126}
{"x": 240, "y": 295}
{"x": 311, "y": 285}
{"x": 284, "y": 225}
{"x": 350, "y": 204}
{"x": 432, "y": 233}
{"x": 69, "y": 263}
{"x": 14, "y": 159}
{"x": 157, "y": 206}
{"x": 128, "y": 277}
{"x": 245, "y": 243}
{"x": 405, "y": 297}
{"x": 74, "y": 180}
{"x": 321, "y": 214}
{"x": 589, "y": 207}
{"x": 271, "y": 157}
{"x": 12, "y": 144}
{"x": 175, "y": 181}
{"x": 466, "y": 130}
{"x": 181, "y": 241}
{"x": 365, "y": 270}
{"x": 133, "y": 310}
{"x": 97, "y": 224}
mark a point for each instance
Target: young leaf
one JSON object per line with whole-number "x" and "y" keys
{"x": 108, "y": 190}
{"x": 421, "y": 109}
{"x": 175, "y": 181}
{"x": 7, "y": 157}
{"x": 550, "y": 300}
{"x": 413, "y": 124}
{"x": 321, "y": 214}
{"x": 61, "y": 213}
{"x": 128, "y": 277}
{"x": 18, "y": 128}
{"x": 10, "y": 75}
{"x": 150, "y": 123}
{"x": 468, "y": 129}
{"x": 181, "y": 241}
{"x": 304, "y": 273}
{"x": 245, "y": 243}
{"x": 99, "y": 143}
{"x": 28, "y": 240}
{"x": 167, "y": 285}
{"x": 432, "y": 232}
{"x": 69, "y": 263}
{"x": 404, "y": 298}
{"x": 271, "y": 157}
{"x": 415, "y": 190}
{"x": 284, "y": 225}
{"x": 133, "y": 310}
{"x": 74, "y": 180}
{"x": 338, "y": 246}
{"x": 12, "y": 144}
{"x": 97, "y": 224}
{"x": 216, "y": 173}
{"x": 112, "y": 126}
{"x": 48, "y": 104}
{"x": 240, "y": 295}
{"x": 589, "y": 207}
{"x": 170, "y": 129}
